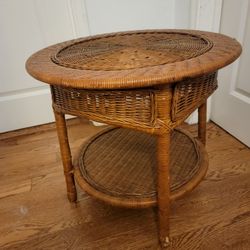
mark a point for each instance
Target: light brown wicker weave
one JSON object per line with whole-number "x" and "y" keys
{"x": 119, "y": 166}
{"x": 148, "y": 81}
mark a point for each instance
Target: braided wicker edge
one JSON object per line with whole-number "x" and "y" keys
{"x": 224, "y": 51}
{"x": 56, "y": 60}
{"x": 142, "y": 202}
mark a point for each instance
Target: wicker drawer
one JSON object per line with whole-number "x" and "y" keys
{"x": 116, "y": 105}
{"x": 149, "y": 107}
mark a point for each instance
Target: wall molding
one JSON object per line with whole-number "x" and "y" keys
{"x": 205, "y": 15}
{"x": 16, "y": 94}
{"x": 234, "y": 90}
{"x": 208, "y": 14}
{"x": 79, "y": 18}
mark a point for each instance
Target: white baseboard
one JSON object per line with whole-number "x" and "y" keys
{"x": 25, "y": 110}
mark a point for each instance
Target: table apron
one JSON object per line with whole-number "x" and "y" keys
{"x": 153, "y": 110}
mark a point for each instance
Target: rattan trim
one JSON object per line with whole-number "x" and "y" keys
{"x": 139, "y": 200}
{"x": 224, "y": 51}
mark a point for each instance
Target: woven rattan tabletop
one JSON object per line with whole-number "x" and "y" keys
{"x": 133, "y": 59}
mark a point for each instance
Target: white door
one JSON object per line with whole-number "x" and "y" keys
{"x": 27, "y": 26}
{"x": 231, "y": 102}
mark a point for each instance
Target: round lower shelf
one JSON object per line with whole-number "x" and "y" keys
{"x": 119, "y": 166}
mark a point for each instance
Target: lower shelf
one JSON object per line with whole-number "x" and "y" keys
{"x": 119, "y": 166}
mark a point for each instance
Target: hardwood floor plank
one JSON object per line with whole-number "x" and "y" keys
{"x": 18, "y": 188}
{"x": 35, "y": 212}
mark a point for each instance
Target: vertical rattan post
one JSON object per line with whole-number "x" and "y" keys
{"x": 202, "y": 122}
{"x": 163, "y": 151}
{"x": 66, "y": 155}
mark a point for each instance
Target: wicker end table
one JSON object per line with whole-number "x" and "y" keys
{"x": 145, "y": 84}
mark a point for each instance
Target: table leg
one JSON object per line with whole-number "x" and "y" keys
{"x": 202, "y": 121}
{"x": 66, "y": 155}
{"x": 163, "y": 155}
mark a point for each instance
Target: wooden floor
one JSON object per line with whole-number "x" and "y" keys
{"x": 35, "y": 213}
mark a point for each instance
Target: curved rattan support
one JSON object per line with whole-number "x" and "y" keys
{"x": 134, "y": 201}
{"x": 163, "y": 186}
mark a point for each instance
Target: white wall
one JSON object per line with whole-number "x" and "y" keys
{"x": 26, "y": 26}
{"x": 119, "y": 15}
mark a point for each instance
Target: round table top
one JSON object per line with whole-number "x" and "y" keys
{"x": 133, "y": 59}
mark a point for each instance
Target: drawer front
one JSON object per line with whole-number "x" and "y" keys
{"x": 119, "y": 106}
